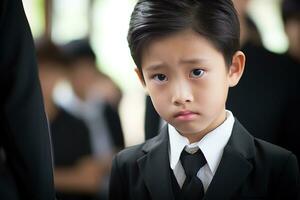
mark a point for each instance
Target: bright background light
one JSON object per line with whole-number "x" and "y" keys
{"x": 266, "y": 14}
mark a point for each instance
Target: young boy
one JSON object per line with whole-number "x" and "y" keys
{"x": 187, "y": 54}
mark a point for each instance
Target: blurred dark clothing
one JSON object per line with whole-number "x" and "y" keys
{"x": 70, "y": 138}
{"x": 103, "y": 121}
{"x": 290, "y": 139}
{"x": 114, "y": 125}
{"x": 290, "y": 9}
{"x": 71, "y": 142}
{"x": 152, "y": 120}
{"x": 266, "y": 100}
{"x": 259, "y": 100}
{"x": 25, "y": 155}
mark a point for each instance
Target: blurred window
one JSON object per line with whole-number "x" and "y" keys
{"x": 109, "y": 39}
{"x": 35, "y": 13}
{"x": 70, "y": 20}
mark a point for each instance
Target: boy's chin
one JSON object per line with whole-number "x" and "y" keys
{"x": 186, "y": 132}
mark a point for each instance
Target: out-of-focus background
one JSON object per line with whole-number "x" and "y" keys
{"x": 96, "y": 106}
{"x": 105, "y": 22}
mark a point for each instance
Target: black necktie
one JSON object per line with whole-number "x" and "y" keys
{"x": 192, "y": 188}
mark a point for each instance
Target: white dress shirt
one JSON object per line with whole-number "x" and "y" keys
{"x": 212, "y": 146}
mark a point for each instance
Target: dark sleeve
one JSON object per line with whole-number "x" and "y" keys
{"x": 289, "y": 183}
{"x": 24, "y": 135}
{"x": 289, "y": 139}
{"x": 117, "y": 190}
{"x": 152, "y": 120}
{"x": 114, "y": 125}
{"x": 290, "y": 129}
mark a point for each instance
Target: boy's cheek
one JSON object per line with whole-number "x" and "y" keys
{"x": 158, "y": 102}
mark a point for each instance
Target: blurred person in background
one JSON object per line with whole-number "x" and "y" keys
{"x": 291, "y": 18}
{"x": 77, "y": 174}
{"x": 266, "y": 93}
{"x": 89, "y": 83}
{"x": 25, "y": 153}
{"x": 95, "y": 101}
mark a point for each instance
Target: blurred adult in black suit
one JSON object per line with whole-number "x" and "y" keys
{"x": 291, "y": 18}
{"x": 25, "y": 158}
{"x": 95, "y": 101}
{"x": 96, "y": 98}
{"x": 260, "y": 96}
{"x": 266, "y": 100}
{"x": 77, "y": 174}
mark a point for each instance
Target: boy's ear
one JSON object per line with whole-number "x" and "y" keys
{"x": 140, "y": 76}
{"x": 237, "y": 68}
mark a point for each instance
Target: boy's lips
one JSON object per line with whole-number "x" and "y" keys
{"x": 185, "y": 115}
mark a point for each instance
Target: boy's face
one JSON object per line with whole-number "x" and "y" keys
{"x": 187, "y": 80}
{"x": 81, "y": 76}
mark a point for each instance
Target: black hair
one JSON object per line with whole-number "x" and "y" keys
{"x": 77, "y": 49}
{"x": 47, "y": 51}
{"x": 290, "y": 9}
{"x": 216, "y": 20}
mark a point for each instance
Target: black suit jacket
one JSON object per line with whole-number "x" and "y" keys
{"x": 249, "y": 169}
{"x": 25, "y": 155}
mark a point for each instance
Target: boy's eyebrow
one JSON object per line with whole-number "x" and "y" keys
{"x": 159, "y": 65}
{"x": 193, "y": 61}
{"x": 154, "y": 67}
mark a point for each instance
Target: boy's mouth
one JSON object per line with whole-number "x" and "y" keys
{"x": 185, "y": 115}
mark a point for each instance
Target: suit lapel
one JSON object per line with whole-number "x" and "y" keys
{"x": 155, "y": 167}
{"x": 234, "y": 167}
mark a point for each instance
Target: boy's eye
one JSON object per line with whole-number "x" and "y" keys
{"x": 160, "y": 77}
{"x": 196, "y": 73}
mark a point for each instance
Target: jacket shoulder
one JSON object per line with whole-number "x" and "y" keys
{"x": 275, "y": 157}
{"x": 271, "y": 150}
{"x": 131, "y": 154}
{"x": 279, "y": 166}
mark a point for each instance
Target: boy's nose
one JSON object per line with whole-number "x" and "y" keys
{"x": 182, "y": 94}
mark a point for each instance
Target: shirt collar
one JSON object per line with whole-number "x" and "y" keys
{"x": 212, "y": 144}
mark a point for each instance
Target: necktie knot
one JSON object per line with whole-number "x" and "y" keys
{"x": 192, "y": 162}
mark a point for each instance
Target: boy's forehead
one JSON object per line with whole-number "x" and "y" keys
{"x": 185, "y": 47}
